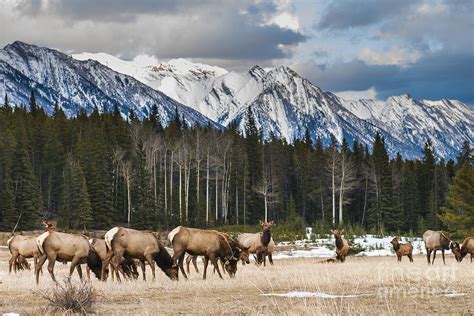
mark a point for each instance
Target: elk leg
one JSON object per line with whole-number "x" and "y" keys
{"x": 434, "y": 256}
{"x": 206, "y": 262}
{"x": 181, "y": 267}
{"x": 442, "y": 254}
{"x": 472, "y": 255}
{"x": 410, "y": 256}
{"x": 428, "y": 255}
{"x": 51, "y": 261}
{"x": 74, "y": 264}
{"x": 188, "y": 260}
{"x": 88, "y": 273}
{"x": 195, "y": 264}
{"x": 150, "y": 261}
{"x": 105, "y": 263}
{"x": 79, "y": 271}
{"x": 116, "y": 260}
{"x": 142, "y": 265}
{"x": 12, "y": 263}
{"x": 213, "y": 259}
{"x": 270, "y": 258}
{"x": 39, "y": 267}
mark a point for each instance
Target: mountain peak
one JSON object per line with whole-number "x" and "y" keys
{"x": 257, "y": 72}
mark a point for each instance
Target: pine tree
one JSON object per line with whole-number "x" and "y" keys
{"x": 33, "y": 105}
{"x": 27, "y": 194}
{"x": 459, "y": 215}
{"x": 80, "y": 199}
{"x": 466, "y": 154}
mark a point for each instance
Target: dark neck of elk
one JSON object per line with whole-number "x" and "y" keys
{"x": 266, "y": 236}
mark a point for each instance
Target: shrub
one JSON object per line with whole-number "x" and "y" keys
{"x": 69, "y": 297}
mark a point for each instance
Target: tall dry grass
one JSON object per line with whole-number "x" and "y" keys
{"x": 387, "y": 287}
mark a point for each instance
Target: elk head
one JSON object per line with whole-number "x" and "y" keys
{"x": 230, "y": 265}
{"x": 244, "y": 255}
{"x": 338, "y": 233}
{"x": 456, "y": 249}
{"x": 266, "y": 225}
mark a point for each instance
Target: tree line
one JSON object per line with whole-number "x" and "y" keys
{"x": 96, "y": 170}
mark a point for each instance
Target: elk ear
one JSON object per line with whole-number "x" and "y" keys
{"x": 343, "y": 232}
{"x": 271, "y": 223}
{"x": 333, "y": 231}
{"x": 226, "y": 263}
{"x": 261, "y": 223}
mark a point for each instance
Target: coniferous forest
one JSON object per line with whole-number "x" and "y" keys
{"x": 97, "y": 170}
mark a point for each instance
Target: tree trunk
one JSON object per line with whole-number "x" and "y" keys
{"x": 333, "y": 188}
{"x": 341, "y": 189}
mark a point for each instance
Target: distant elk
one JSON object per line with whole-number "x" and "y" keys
{"x": 461, "y": 251}
{"x": 434, "y": 241}
{"x": 261, "y": 244}
{"x": 210, "y": 244}
{"x": 142, "y": 245}
{"x": 129, "y": 266}
{"x": 56, "y": 246}
{"x": 342, "y": 245}
{"x": 402, "y": 249}
{"x": 22, "y": 247}
{"x": 241, "y": 253}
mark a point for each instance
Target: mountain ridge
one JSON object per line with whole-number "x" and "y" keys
{"x": 283, "y": 103}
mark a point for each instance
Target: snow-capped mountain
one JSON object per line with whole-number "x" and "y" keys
{"x": 81, "y": 84}
{"x": 284, "y": 104}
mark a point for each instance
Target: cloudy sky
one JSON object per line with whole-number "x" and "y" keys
{"x": 358, "y": 48}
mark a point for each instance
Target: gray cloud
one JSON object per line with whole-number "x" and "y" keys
{"x": 344, "y": 14}
{"x": 434, "y": 77}
{"x": 209, "y": 29}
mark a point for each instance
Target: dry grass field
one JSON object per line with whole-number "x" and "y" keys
{"x": 372, "y": 286}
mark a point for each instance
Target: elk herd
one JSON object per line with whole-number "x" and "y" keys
{"x": 123, "y": 249}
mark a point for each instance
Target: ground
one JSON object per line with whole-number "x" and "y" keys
{"x": 375, "y": 285}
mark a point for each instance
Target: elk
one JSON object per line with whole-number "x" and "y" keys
{"x": 129, "y": 266}
{"x": 208, "y": 243}
{"x": 402, "y": 249}
{"x": 261, "y": 244}
{"x": 241, "y": 253}
{"x": 142, "y": 245}
{"x": 56, "y": 246}
{"x": 461, "y": 251}
{"x": 342, "y": 245}
{"x": 22, "y": 246}
{"x": 434, "y": 241}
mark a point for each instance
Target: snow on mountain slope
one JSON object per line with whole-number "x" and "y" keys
{"x": 283, "y": 103}
{"x": 81, "y": 84}
{"x": 446, "y": 123}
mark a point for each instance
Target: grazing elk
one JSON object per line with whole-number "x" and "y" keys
{"x": 142, "y": 245}
{"x": 22, "y": 246}
{"x": 129, "y": 266}
{"x": 197, "y": 242}
{"x": 56, "y": 246}
{"x": 461, "y": 251}
{"x": 261, "y": 244}
{"x": 434, "y": 241}
{"x": 402, "y": 249}
{"x": 342, "y": 245}
{"x": 238, "y": 252}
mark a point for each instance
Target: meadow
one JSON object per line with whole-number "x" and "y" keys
{"x": 361, "y": 285}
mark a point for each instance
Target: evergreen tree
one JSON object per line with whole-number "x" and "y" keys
{"x": 80, "y": 200}
{"x": 458, "y": 216}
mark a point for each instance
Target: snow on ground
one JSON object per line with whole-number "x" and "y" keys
{"x": 324, "y": 247}
{"x": 312, "y": 294}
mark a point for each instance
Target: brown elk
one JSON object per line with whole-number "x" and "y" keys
{"x": 22, "y": 264}
{"x": 129, "y": 266}
{"x": 239, "y": 252}
{"x": 342, "y": 245}
{"x": 22, "y": 246}
{"x": 268, "y": 253}
{"x": 261, "y": 244}
{"x": 56, "y": 246}
{"x": 197, "y": 242}
{"x": 402, "y": 249}
{"x": 142, "y": 245}
{"x": 461, "y": 251}
{"x": 434, "y": 241}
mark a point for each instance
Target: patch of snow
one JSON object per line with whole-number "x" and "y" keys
{"x": 299, "y": 294}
